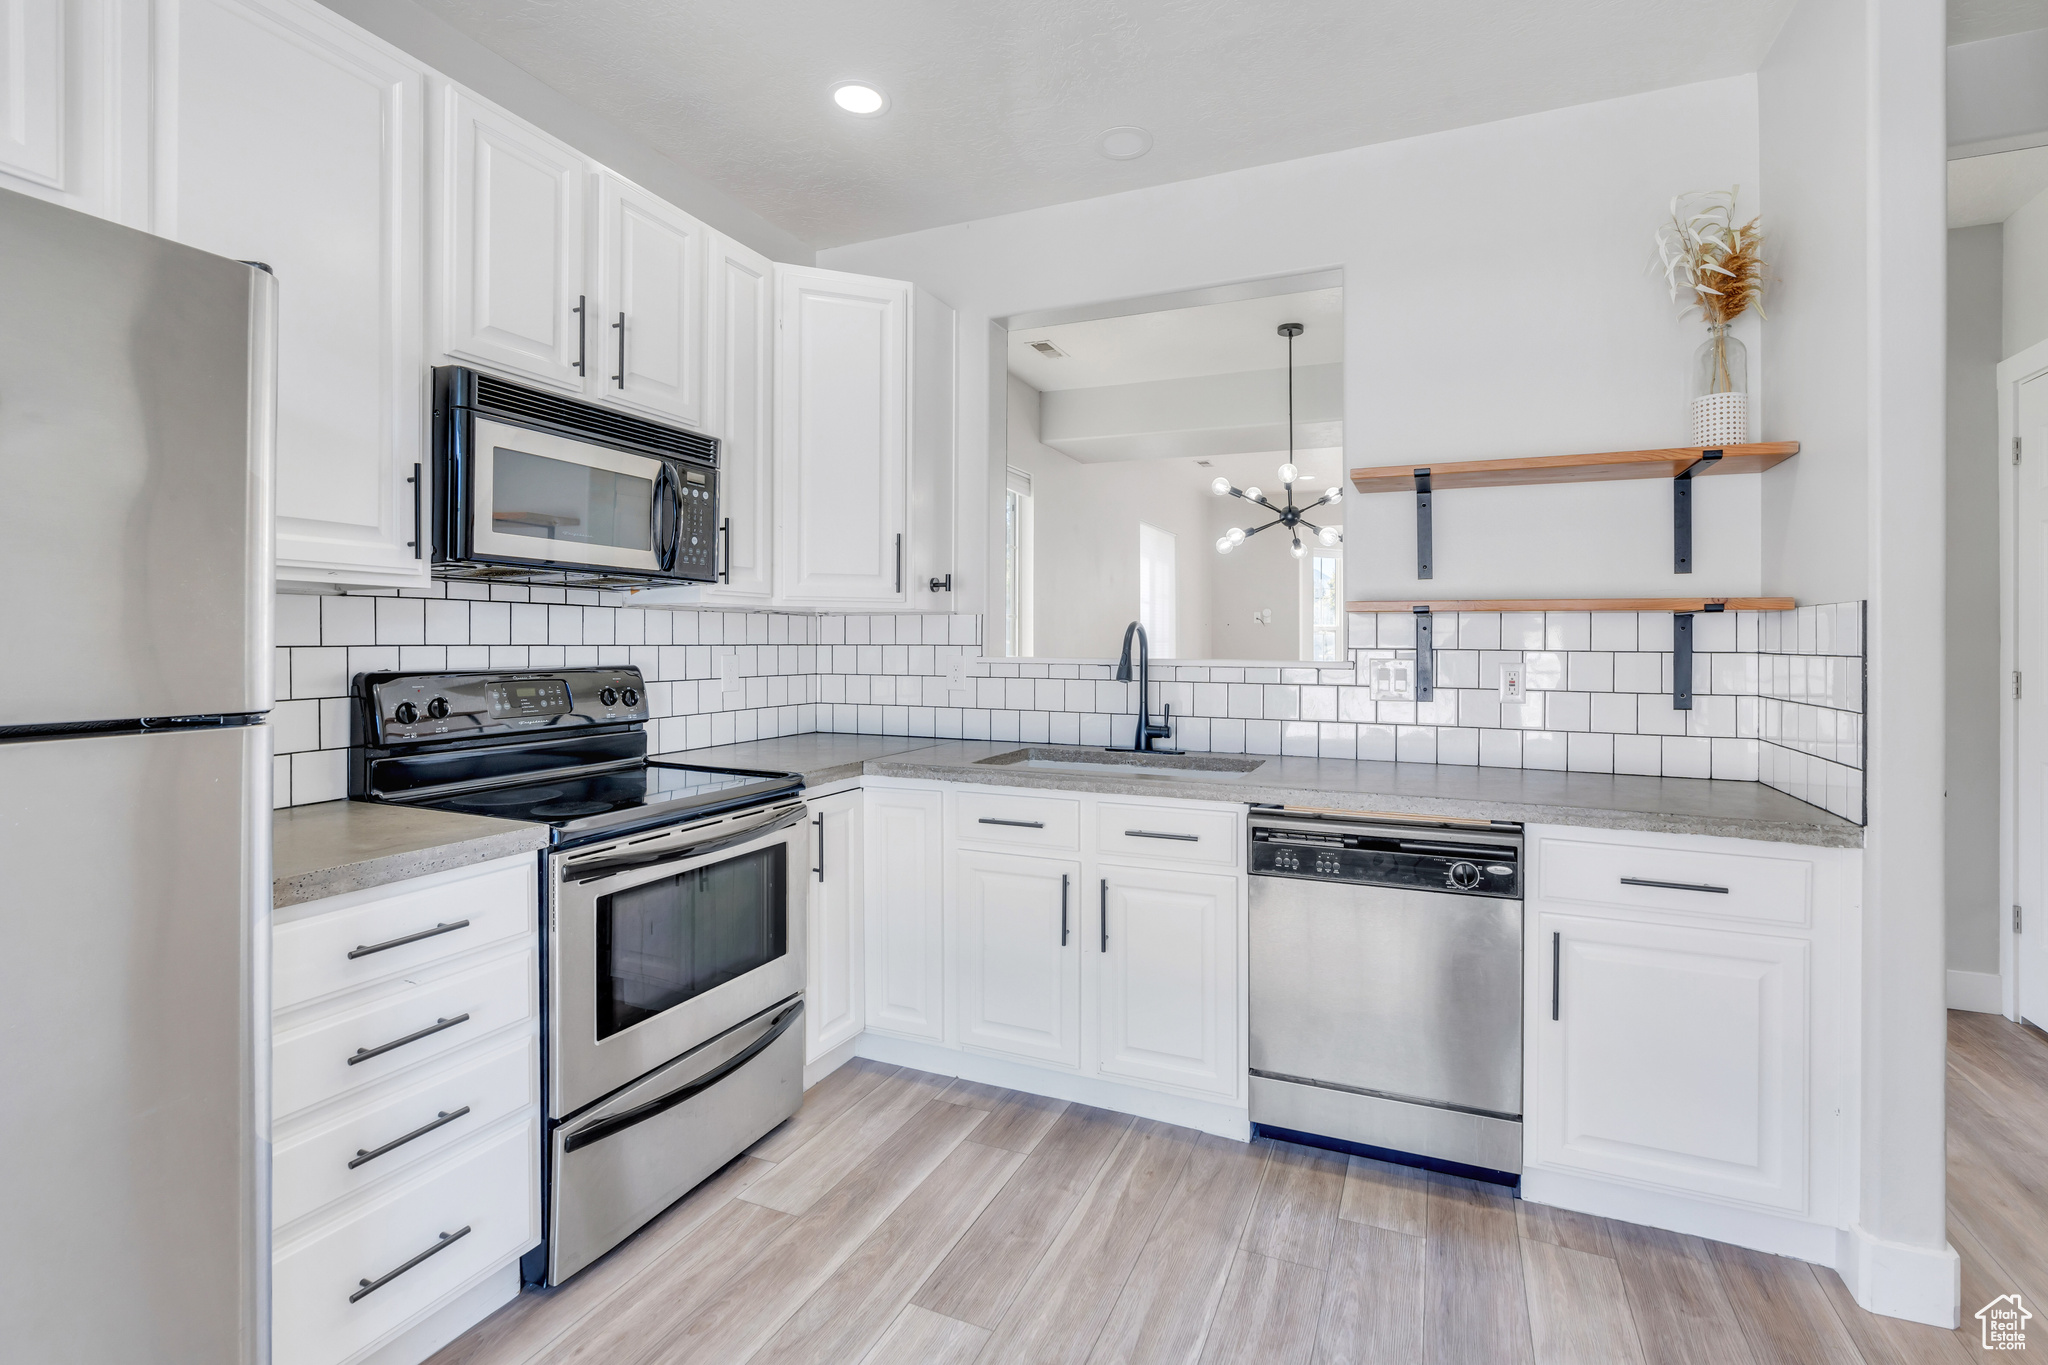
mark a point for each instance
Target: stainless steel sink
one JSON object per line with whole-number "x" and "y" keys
{"x": 1123, "y": 763}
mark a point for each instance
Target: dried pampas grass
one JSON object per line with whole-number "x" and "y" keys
{"x": 1709, "y": 261}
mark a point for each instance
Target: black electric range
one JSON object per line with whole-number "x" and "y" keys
{"x": 566, "y": 748}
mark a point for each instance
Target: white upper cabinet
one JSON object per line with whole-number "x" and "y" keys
{"x": 740, "y": 359}
{"x": 841, "y": 436}
{"x": 32, "y": 81}
{"x": 650, "y": 271}
{"x": 284, "y": 135}
{"x": 510, "y": 290}
{"x": 934, "y": 391}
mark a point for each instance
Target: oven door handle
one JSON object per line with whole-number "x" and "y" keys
{"x": 619, "y": 1123}
{"x": 577, "y": 875}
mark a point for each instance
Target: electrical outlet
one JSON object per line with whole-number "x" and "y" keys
{"x": 1393, "y": 679}
{"x": 956, "y": 673}
{"x": 1512, "y": 685}
{"x": 729, "y": 672}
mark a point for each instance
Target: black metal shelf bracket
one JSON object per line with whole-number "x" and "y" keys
{"x": 1681, "y": 656}
{"x": 1681, "y": 510}
{"x": 1424, "y": 553}
{"x": 1425, "y": 656}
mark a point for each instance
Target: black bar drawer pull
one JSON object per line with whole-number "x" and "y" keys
{"x": 1154, "y": 834}
{"x": 369, "y": 1287}
{"x": 1675, "y": 886}
{"x": 1017, "y": 824}
{"x": 367, "y": 1154}
{"x": 1556, "y": 951}
{"x": 1105, "y": 915}
{"x": 1063, "y": 909}
{"x": 363, "y": 1054}
{"x": 820, "y": 868}
{"x": 365, "y": 949}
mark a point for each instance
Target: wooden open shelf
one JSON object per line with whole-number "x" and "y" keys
{"x": 1580, "y": 604}
{"x": 1667, "y": 463}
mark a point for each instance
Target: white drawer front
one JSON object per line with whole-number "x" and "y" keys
{"x": 1676, "y": 879}
{"x": 322, "y": 1059}
{"x": 1174, "y": 834}
{"x": 347, "y": 947}
{"x": 398, "y": 1127}
{"x": 1026, "y": 821}
{"x": 493, "y": 1190}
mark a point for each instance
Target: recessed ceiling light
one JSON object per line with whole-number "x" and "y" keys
{"x": 857, "y": 97}
{"x": 1126, "y": 144}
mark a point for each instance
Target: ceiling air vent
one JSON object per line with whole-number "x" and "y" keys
{"x": 1048, "y": 350}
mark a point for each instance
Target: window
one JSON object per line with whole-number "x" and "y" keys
{"x": 1017, "y": 566}
{"x": 1156, "y": 599}
{"x": 1322, "y": 608}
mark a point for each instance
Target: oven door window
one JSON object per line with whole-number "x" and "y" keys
{"x": 666, "y": 941}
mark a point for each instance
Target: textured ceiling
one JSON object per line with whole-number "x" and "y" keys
{"x": 996, "y": 107}
{"x": 1971, "y": 20}
{"x": 1184, "y": 343}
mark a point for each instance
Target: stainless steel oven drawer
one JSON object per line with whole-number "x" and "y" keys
{"x": 624, "y": 1160}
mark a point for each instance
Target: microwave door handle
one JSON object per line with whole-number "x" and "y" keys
{"x": 654, "y": 510}
{"x": 675, "y": 523}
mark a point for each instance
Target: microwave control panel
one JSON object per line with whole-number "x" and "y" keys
{"x": 697, "y": 547}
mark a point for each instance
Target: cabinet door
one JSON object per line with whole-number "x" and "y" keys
{"x": 287, "y": 136}
{"x": 32, "y": 92}
{"x": 740, "y": 361}
{"x": 841, "y": 435}
{"x": 650, "y": 268}
{"x": 905, "y": 914}
{"x": 1676, "y": 1057}
{"x": 933, "y": 396}
{"x": 1166, "y": 998}
{"x": 836, "y": 971}
{"x": 1017, "y": 955}
{"x": 510, "y": 291}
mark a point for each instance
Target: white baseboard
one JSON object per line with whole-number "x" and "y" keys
{"x": 830, "y": 1062}
{"x": 1977, "y": 991}
{"x": 1757, "y": 1229}
{"x": 1920, "y": 1284}
{"x": 1208, "y": 1116}
{"x": 442, "y": 1325}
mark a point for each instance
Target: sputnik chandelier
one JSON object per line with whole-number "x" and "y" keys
{"x": 1289, "y": 516}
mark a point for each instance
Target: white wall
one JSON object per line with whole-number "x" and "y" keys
{"x": 433, "y": 40}
{"x": 1085, "y": 544}
{"x": 1974, "y": 281}
{"x": 1851, "y": 125}
{"x": 2026, "y": 276}
{"x": 1497, "y": 302}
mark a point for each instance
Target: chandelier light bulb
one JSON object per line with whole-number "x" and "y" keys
{"x": 1220, "y": 487}
{"x": 1328, "y": 535}
{"x": 1298, "y": 549}
{"x": 1253, "y": 494}
{"x": 1236, "y": 534}
{"x": 1224, "y": 545}
{"x": 1288, "y": 473}
{"x": 1334, "y": 492}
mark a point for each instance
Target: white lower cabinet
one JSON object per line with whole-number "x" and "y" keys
{"x": 1166, "y": 976}
{"x": 835, "y": 965}
{"x": 905, "y": 912}
{"x": 405, "y": 1093}
{"x": 1017, "y": 955}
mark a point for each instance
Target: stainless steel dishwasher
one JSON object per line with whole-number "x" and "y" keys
{"x": 1386, "y": 988}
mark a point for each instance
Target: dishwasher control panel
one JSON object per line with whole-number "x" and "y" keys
{"x": 1388, "y": 858}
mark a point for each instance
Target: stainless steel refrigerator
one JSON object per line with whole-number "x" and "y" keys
{"x": 136, "y": 415}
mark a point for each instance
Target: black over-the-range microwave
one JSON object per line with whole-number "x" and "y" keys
{"x": 530, "y": 485}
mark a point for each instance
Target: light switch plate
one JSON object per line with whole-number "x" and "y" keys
{"x": 728, "y": 672}
{"x": 1393, "y": 680}
{"x": 1512, "y": 684}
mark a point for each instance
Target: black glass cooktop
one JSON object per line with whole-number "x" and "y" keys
{"x": 649, "y": 792}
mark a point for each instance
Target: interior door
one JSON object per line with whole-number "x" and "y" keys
{"x": 2030, "y": 707}
{"x": 510, "y": 286}
{"x": 1017, "y": 955}
{"x": 1166, "y": 998}
{"x": 286, "y": 136}
{"x": 741, "y": 361}
{"x": 650, "y": 262}
{"x": 842, "y": 435}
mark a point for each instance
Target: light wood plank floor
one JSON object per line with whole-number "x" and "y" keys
{"x": 901, "y": 1219}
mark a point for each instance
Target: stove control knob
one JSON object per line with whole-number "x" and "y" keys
{"x": 438, "y": 708}
{"x": 1464, "y": 876}
{"x": 632, "y": 696}
{"x": 405, "y": 713}
{"x": 609, "y": 697}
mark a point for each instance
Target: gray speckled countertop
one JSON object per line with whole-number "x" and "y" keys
{"x": 1671, "y": 805}
{"x": 339, "y": 846}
